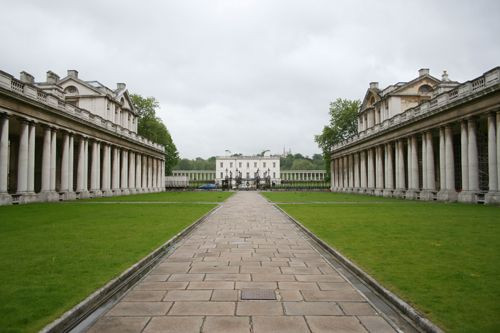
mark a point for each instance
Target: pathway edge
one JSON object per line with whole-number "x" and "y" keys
{"x": 120, "y": 284}
{"x": 419, "y": 320}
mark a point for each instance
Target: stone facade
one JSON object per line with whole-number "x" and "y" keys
{"x": 303, "y": 175}
{"x": 426, "y": 139}
{"x": 66, "y": 138}
{"x": 248, "y": 167}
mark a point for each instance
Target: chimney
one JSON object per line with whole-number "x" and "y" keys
{"x": 27, "y": 77}
{"x": 423, "y": 71}
{"x": 120, "y": 86}
{"x": 52, "y": 77}
{"x": 373, "y": 85}
{"x": 445, "y": 77}
{"x": 73, "y": 73}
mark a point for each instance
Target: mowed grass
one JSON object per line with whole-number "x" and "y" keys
{"x": 442, "y": 258}
{"x": 311, "y": 197}
{"x": 54, "y": 255}
{"x": 181, "y": 196}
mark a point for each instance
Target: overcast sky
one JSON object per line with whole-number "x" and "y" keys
{"x": 249, "y": 75}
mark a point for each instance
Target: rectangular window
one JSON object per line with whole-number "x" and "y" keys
{"x": 221, "y": 164}
{"x": 274, "y": 164}
{"x": 248, "y": 164}
{"x": 264, "y": 164}
{"x": 221, "y": 175}
{"x": 274, "y": 174}
{"x": 248, "y": 175}
{"x": 254, "y": 164}
{"x": 239, "y": 164}
{"x": 231, "y": 164}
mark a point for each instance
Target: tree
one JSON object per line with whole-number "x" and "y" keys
{"x": 342, "y": 125}
{"x": 302, "y": 164}
{"x": 152, "y": 127}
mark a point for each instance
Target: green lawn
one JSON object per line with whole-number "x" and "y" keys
{"x": 301, "y": 197}
{"x": 188, "y": 196}
{"x": 54, "y": 255}
{"x": 442, "y": 258}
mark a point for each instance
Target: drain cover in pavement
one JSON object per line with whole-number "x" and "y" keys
{"x": 257, "y": 294}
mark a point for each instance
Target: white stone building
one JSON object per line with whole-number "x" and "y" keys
{"x": 69, "y": 138}
{"x": 248, "y": 167}
{"x": 427, "y": 139}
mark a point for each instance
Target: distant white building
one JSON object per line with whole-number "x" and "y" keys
{"x": 249, "y": 167}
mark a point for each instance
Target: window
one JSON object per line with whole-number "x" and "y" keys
{"x": 248, "y": 174}
{"x": 221, "y": 164}
{"x": 274, "y": 174}
{"x": 239, "y": 164}
{"x": 425, "y": 89}
{"x": 71, "y": 90}
{"x": 264, "y": 164}
{"x": 274, "y": 164}
{"x": 221, "y": 175}
{"x": 254, "y": 164}
{"x": 231, "y": 164}
{"x": 248, "y": 164}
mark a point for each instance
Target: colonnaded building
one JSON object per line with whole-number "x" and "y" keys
{"x": 68, "y": 138}
{"x": 428, "y": 139}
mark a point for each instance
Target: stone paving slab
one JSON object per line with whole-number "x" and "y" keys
{"x": 246, "y": 244}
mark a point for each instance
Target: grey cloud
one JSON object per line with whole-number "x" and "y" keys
{"x": 248, "y": 75}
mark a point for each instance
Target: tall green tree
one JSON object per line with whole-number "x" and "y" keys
{"x": 342, "y": 125}
{"x": 152, "y": 127}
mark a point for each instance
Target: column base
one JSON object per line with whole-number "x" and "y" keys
{"x": 411, "y": 194}
{"x": 27, "y": 198}
{"x": 67, "y": 196}
{"x": 399, "y": 193}
{"x": 48, "y": 196}
{"x": 379, "y": 192}
{"x": 370, "y": 191}
{"x": 492, "y": 198}
{"x": 387, "y": 193}
{"x": 5, "y": 199}
{"x": 96, "y": 193}
{"x": 125, "y": 191}
{"x": 107, "y": 193}
{"x": 447, "y": 195}
{"x": 117, "y": 192}
{"x": 83, "y": 195}
{"x": 427, "y": 195}
{"x": 132, "y": 191}
{"x": 467, "y": 197}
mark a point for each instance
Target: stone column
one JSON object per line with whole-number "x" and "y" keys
{"x": 144, "y": 174}
{"x": 413, "y": 190}
{"x": 106, "y": 171}
{"x": 46, "y": 161}
{"x": 64, "y": 163}
{"x": 86, "y": 157}
{"x": 53, "y": 161}
{"x": 71, "y": 166}
{"x": 448, "y": 193}
{"x": 442, "y": 160}
{"x": 350, "y": 164}
{"x": 98, "y": 180}
{"x": 93, "y": 170}
{"x": 124, "y": 173}
{"x": 138, "y": 173}
{"x": 154, "y": 172}
{"x": 81, "y": 172}
{"x": 430, "y": 173}
{"x": 401, "y": 187}
{"x": 356, "y": 172}
{"x": 115, "y": 173}
{"x": 389, "y": 175}
{"x": 346, "y": 173}
{"x": 31, "y": 159}
{"x": 379, "y": 172}
{"x": 332, "y": 172}
{"x": 131, "y": 172}
{"x": 424, "y": 162}
{"x": 464, "y": 158}
{"x": 5, "y": 198}
{"x": 22, "y": 165}
{"x": 493, "y": 195}
{"x": 473, "y": 165}
{"x": 364, "y": 183}
{"x": 371, "y": 172}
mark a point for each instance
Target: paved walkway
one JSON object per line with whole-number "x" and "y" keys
{"x": 246, "y": 244}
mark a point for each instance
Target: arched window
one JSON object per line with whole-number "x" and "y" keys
{"x": 425, "y": 89}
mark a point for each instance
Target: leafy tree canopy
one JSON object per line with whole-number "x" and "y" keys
{"x": 342, "y": 125}
{"x": 152, "y": 127}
